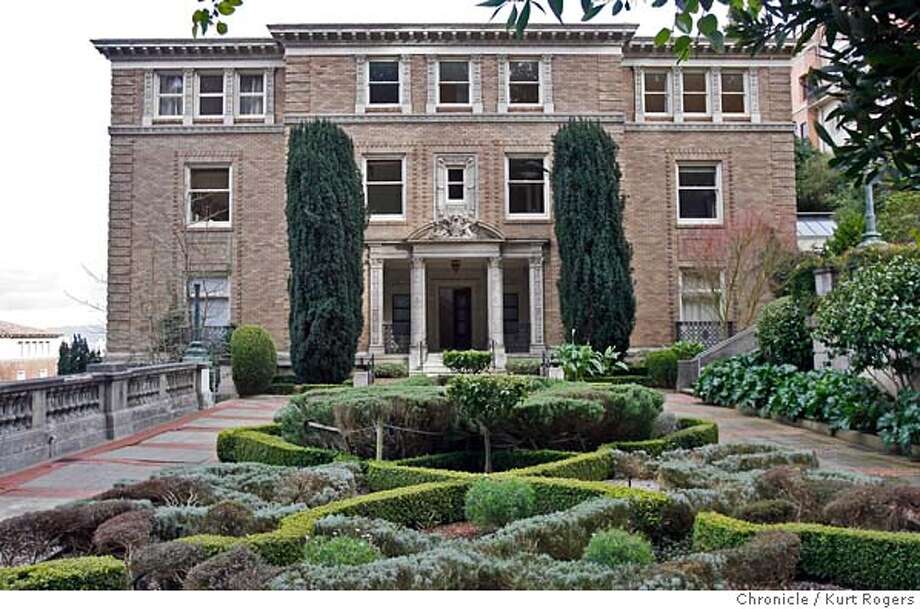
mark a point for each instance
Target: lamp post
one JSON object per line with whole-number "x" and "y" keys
{"x": 196, "y": 351}
{"x": 870, "y": 235}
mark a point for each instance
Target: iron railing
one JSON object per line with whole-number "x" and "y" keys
{"x": 517, "y": 337}
{"x": 396, "y": 337}
{"x": 708, "y": 333}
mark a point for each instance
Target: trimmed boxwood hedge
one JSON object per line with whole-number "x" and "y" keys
{"x": 862, "y": 559}
{"x": 693, "y": 433}
{"x": 473, "y": 461}
{"x": 88, "y": 573}
{"x": 264, "y": 445}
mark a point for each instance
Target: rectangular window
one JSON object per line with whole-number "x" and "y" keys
{"x": 696, "y": 92}
{"x": 384, "y": 187}
{"x": 209, "y": 195}
{"x": 170, "y": 95}
{"x": 209, "y": 301}
{"x": 252, "y": 94}
{"x": 511, "y": 314}
{"x": 700, "y": 295}
{"x": 526, "y": 187}
{"x": 656, "y": 88}
{"x": 699, "y": 194}
{"x": 210, "y": 94}
{"x": 734, "y": 92}
{"x": 454, "y": 82}
{"x": 383, "y": 83}
{"x": 43, "y": 373}
{"x": 456, "y": 184}
{"x": 524, "y": 83}
{"x": 20, "y": 375}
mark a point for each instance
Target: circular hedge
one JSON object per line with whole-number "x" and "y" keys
{"x": 253, "y": 359}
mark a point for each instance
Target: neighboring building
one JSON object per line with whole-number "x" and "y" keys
{"x": 813, "y": 229}
{"x": 808, "y": 106}
{"x": 453, "y": 128}
{"x": 27, "y": 353}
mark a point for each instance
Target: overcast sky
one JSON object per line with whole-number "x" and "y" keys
{"x": 55, "y": 112}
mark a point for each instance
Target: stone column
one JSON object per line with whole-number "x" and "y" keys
{"x": 537, "y": 340}
{"x": 495, "y": 281}
{"x": 419, "y": 330}
{"x": 376, "y": 299}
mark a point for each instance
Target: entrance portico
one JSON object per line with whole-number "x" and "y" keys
{"x": 432, "y": 293}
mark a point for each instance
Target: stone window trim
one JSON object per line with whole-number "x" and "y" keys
{"x": 707, "y": 92}
{"x": 547, "y": 200}
{"x": 444, "y": 205}
{"x": 201, "y": 96}
{"x": 220, "y": 291}
{"x": 544, "y": 83}
{"x": 190, "y": 166}
{"x": 240, "y": 74}
{"x": 439, "y": 81}
{"x": 404, "y": 83}
{"x": 689, "y": 291}
{"x": 158, "y": 95}
{"x": 717, "y": 166}
{"x": 395, "y": 156}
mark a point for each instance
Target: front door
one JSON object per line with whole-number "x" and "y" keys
{"x": 456, "y": 318}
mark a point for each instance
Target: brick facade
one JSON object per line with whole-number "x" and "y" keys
{"x": 151, "y": 251}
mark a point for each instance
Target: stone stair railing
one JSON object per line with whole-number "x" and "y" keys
{"x": 688, "y": 371}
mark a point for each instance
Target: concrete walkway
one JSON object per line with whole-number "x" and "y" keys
{"x": 832, "y": 453}
{"x": 190, "y": 440}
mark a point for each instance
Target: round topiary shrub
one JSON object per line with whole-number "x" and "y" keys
{"x": 468, "y": 362}
{"x": 662, "y": 368}
{"x": 229, "y": 518}
{"x": 783, "y": 335}
{"x": 340, "y": 551}
{"x": 254, "y": 360}
{"x": 492, "y": 503}
{"x": 616, "y": 547}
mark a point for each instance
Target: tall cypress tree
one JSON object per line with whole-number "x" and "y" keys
{"x": 326, "y": 221}
{"x": 595, "y": 284}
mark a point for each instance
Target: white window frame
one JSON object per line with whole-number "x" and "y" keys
{"x": 399, "y": 82}
{"x": 746, "y": 79}
{"x": 718, "y": 187}
{"x": 223, "y": 296}
{"x": 188, "y": 195}
{"x": 469, "y": 83}
{"x": 720, "y": 305}
{"x": 240, "y": 94}
{"x": 199, "y": 95}
{"x": 386, "y": 157}
{"x": 668, "y": 94}
{"x": 20, "y": 375}
{"x": 158, "y": 95}
{"x": 539, "y": 83}
{"x": 708, "y": 94}
{"x": 546, "y": 187}
{"x": 448, "y": 184}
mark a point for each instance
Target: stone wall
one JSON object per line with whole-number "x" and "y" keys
{"x": 48, "y": 418}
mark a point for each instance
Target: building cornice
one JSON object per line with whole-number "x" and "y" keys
{"x": 695, "y": 127}
{"x": 196, "y": 130}
{"x": 295, "y": 119}
{"x": 188, "y": 49}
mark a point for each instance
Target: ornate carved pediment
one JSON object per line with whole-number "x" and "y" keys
{"x": 457, "y": 227}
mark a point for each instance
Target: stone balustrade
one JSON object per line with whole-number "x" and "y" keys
{"x": 47, "y": 418}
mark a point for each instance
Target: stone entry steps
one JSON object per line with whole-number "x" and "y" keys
{"x": 434, "y": 365}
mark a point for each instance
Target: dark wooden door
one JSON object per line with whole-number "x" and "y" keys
{"x": 463, "y": 319}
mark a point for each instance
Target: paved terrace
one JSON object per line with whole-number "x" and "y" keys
{"x": 192, "y": 440}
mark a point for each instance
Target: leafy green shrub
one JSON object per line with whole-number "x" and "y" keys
{"x": 783, "y": 335}
{"x": 693, "y": 433}
{"x": 253, "y": 359}
{"x": 562, "y": 535}
{"x": 845, "y": 401}
{"x": 741, "y": 381}
{"x": 768, "y": 511}
{"x": 492, "y": 503}
{"x": 615, "y": 547}
{"x": 262, "y": 445}
{"x": 356, "y": 411}
{"x": 899, "y": 217}
{"x": 90, "y": 573}
{"x": 868, "y": 560}
{"x": 524, "y": 366}
{"x": 662, "y": 368}
{"x": 900, "y": 426}
{"x": 582, "y": 362}
{"x": 485, "y": 403}
{"x": 576, "y": 416}
{"x": 686, "y": 349}
{"x": 391, "y": 371}
{"x": 874, "y": 318}
{"x": 468, "y": 362}
{"x": 339, "y": 551}
{"x": 238, "y": 569}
